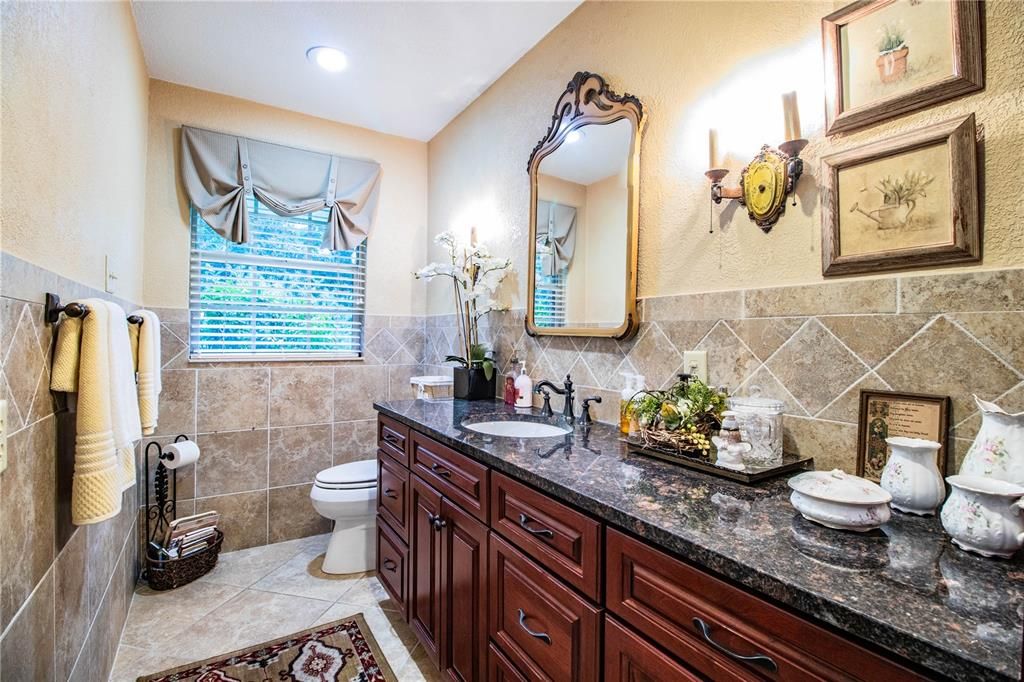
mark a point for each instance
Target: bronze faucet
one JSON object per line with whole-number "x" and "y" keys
{"x": 569, "y": 407}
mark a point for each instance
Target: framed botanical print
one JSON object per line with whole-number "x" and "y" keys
{"x": 884, "y": 414}
{"x": 885, "y": 58}
{"x": 905, "y": 202}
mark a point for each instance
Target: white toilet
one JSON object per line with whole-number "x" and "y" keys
{"x": 347, "y": 494}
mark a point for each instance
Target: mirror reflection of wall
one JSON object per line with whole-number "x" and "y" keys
{"x": 582, "y": 219}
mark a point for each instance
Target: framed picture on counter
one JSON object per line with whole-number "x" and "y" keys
{"x": 884, "y": 414}
{"x": 885, "y": 58}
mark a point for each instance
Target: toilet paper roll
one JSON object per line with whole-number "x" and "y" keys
{"x": 180, "y": 454}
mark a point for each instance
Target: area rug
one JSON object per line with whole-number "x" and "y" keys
{"x": 342, "y": 650}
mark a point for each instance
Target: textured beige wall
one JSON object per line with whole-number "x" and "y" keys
{"x": 694, "y": 66}
{"x": 396, "y": 247}
{"x": 74, "y": 101}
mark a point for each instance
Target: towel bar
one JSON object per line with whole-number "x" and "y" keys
{"x": 54, "y": 309}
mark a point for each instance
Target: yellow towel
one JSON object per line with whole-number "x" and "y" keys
{"x": 146, "y": 345}
{"x": 82, "y": 362}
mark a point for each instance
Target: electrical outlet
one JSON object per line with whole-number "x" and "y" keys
{"x": 3, "y": 436}
{"x": 110, "y": 277}
{"x": 695, "y": 363}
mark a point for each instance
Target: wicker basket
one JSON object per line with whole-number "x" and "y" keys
{"x": 167, "y": 574}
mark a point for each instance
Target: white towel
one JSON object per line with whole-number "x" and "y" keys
{"x": 124, "y": 401}
{"x": 145, "y": 339}
{"x": 82, "y": 363}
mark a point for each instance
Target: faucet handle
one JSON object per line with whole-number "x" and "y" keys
{"x": 545, "y": 411}
{"x": 585, "y": 418}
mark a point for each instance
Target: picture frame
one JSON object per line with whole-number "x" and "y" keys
{"x": 909, "y": 201}
{"x": 889, "y": 413}
{"x": 886, "y": 58}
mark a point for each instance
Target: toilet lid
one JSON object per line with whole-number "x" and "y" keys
{"x": 352, "y": 475}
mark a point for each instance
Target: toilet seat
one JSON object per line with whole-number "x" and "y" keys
{"x": 350, "y": 476}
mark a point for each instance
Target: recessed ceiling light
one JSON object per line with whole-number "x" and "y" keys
{"x": 327, "y": 58}
{"x": 573, "y": 136}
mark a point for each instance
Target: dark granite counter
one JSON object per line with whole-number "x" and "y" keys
{"x": 907, "y": 589}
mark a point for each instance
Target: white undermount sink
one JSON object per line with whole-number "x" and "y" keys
{"x": 518, "y": 429}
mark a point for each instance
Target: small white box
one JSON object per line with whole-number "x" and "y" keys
{"x": 433, "y": 387}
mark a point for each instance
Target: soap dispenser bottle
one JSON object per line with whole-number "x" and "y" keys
{"x": 632, "y": 384}
{"x": 524, "y": 389}
{"x": 509, "y": 392}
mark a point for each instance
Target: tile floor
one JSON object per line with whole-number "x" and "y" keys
{"x": 254, "y": 595}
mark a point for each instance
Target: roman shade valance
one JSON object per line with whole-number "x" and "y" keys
{"x": 220, "y": 171}
{"x": 557, "y": 223}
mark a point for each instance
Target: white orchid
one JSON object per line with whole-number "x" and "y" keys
{"x": 476, "y": 276}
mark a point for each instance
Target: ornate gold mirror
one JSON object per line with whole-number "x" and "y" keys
{"x": 584, "y": 196}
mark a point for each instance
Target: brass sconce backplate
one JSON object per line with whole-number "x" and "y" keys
{"x": 765, "y": 182}
{"x": 763, "y": 185}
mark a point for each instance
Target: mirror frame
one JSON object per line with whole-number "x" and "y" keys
{"x": 588, "y": 100}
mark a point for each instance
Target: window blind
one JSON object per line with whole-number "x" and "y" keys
{"x": 548, "y": 296}
{"x": 280, "y": 296}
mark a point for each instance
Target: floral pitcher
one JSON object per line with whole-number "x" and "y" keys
{"x": 998, "y": 450}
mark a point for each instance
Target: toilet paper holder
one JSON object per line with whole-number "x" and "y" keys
{"x": 160, "y": 514}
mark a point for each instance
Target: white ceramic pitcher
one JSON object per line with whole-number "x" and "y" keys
{"x": 998, "y": 449}
{"x": 912, "y": 476}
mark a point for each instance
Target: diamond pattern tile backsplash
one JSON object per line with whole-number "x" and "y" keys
{"x": 814, "y": 347}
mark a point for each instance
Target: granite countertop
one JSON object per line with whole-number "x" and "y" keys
{"x": 907, "y": 589}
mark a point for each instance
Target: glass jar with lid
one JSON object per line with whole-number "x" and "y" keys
{"x": 760, "y": 424}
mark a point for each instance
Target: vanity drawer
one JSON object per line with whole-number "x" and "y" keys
{"x": 393, "y": 439}
{"x": 563, "y": 540}
{"x": 454, "y": 475}
{"x": 628, "y": 657}
{"x": 392, "y": 565}
{"x": 393, "y": 496}
{"x": 701, "y": 619}
{"x": 545, "y": 629}
{"x": 500, "y": 669}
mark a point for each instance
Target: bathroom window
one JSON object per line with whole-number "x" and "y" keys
{"x": 279, "y": 297}
{"x": 549, "y": 298}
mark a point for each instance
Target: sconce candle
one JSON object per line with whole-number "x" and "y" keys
{"x": 791, "y": 116}
{"x": 712, "y": 148}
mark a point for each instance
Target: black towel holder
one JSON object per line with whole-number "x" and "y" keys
{"x": 54, "y": 309}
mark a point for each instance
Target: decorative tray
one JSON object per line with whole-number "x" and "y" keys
{"x": 790, "y": 464}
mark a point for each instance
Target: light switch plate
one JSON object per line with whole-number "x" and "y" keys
{"x": 110, "y": 277}
{"x": 3, "y": 436}
{"x": 695, "y": 363}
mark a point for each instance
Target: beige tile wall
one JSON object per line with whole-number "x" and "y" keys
{"x": 63, "y": 590}
{"x": 266, "y": 429}
{"x": 814, "y": 347}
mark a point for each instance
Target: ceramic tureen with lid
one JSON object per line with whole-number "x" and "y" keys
{"x": 839, "y": 500}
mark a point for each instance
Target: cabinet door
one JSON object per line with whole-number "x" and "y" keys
{"x": 630, "y": 658}
{"x": 464, "y": 610}
{"x": 425, "y": 566}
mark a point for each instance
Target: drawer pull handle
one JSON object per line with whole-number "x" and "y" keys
{"x": 390, "y": 565}
{"x": 392, "y": 438}
{"x": 539, "y": 532}
{"x": 389, "y": 492}
{"x": 440, "y": 470}
{"x": 545, "y": 637}
{"x": 756, "y": 659}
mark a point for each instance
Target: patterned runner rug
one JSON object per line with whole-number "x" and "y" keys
{"x": 342, "y": 650}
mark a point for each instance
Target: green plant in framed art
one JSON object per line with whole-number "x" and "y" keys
{"x": 885, "y": 58}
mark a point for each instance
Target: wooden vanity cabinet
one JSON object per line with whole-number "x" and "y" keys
{"x": 501, "y": 582}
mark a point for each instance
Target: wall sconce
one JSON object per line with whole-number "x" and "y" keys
{"x": 769, "y": 178}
